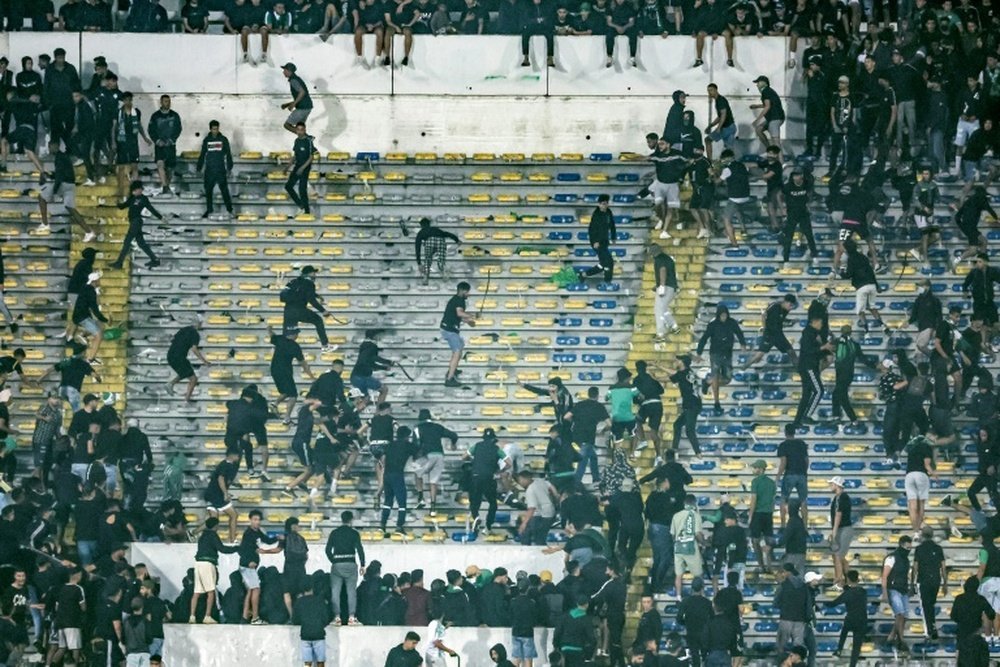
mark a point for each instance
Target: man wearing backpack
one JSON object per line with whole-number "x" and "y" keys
{"x": 298, "y": 295}
{"x": 488, "y": 459}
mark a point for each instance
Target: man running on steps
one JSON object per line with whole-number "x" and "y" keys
{"x": 601, "y": 234}
{"x": 862, "y": 276}
{"x": 299, "y": 168}
{"x": 64, "y": 182}
{"x": 369, "y": 360}
{"x": 451, "y": 321}
{"x": 216, "y": 159}
{"x": 298, "y": 295}
{"x": 285, "y": 351}
{"x": 431, "y": 243}
{"x": 185, "y": 340}
{"x": 665, "y": 275}
{"x": 136, "y": 203}
{"x": 774, "y": 334}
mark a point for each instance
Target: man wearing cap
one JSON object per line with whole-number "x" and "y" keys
{"x": 792, "y": 600}
{"x": 771, "y": 117}
{"x": 61, "y": 80}
{"x": 455, "y": 314}
{"x": 842, "y": 531}
{"x": 87, "y": 315}
{"x": 896, "y": 589}
{"x": 206, "y": 571}
{"x": 301, "y": 105}
{"x": 299, "y": 167}
{"x": 216, "y": 159}
{"x": 298, "y": 295}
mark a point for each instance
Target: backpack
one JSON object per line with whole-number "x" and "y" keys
{"x": 293, "y": 293}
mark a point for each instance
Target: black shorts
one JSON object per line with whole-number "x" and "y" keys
{"x": 127, "y": 153}
{"x": 762, "y": 525}
{"x": 24, "y": 138}
{"x": 987, "y": 312}
{"x": 702, "y": 197}
{"x": 621, "y": 429}
{"x": 284, "y": 382}
{"x": 847, "y": 230}
{"x": 419, "y": 28}
{"x": 168, "y": 154}
{"x": 941, "y": 422}
{"x": 779, "y": 342}
{"x": 971, "y": 232}
{"x": 182, "y": 367}
{"x": 652, "y": 414}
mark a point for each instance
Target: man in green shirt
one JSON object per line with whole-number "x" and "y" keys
{"x": 762, "y": 492}
{"x": 621, "y": 397}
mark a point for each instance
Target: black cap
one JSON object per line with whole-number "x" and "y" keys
{"x": 290, "y": 67}
{"x": 101, "y": 61}
{"x": 767, "y": 82}
{"x": 309, "y": 268}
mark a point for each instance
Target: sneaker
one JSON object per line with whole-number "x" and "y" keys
{"x": 947, "y": 501}
{"x": 452, "y": 382}
{"x": 88, "y": 237}
{"x": 192, "y": 620}
{"x": 836, "y": 588}
{"x": 837, "y": 653}
{"x": 406, "y": 61}
{"x": 953, "y": 530}
{"x": 675, "y": 330}
{"x": 42, "y": 228}
{"x": 289, "y": 493}
{"x": 210, "y": 621}
{"x": 95, "y": 362}
{"x": 115, "y": 265}
{"x": 477, "y": 523}
{"x": 330, "y": 348}
{"x": 264, "y": 476}
{"x": 526, "y": 62}
{"x": 421, "y": 504}
{"x": 607, "y": 62}
{"x": 631, "y": 61}
{"x": 89, "y": 183}
{"x": 915, "y": 254}
{"x": 888, "y": 462}
{"x": 815, "y": 261}
{"x": 257, "y": 621}
{"x": 401, "y": 532}
{"x": 703, "y": 233}
{"x": 353, "y": 621}
{"x": 642, "y": 445}
{"x": 657, "y": 462}
{"x": 665, "y": 235}
{"x": 386, "y": 535}
{"x": 152, "y": 264}
{"x": 698, "y": 63}
{"x": 254, "y": 474}
{"x": 730, "y": 63}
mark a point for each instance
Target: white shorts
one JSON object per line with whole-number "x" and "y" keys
{"x": 990, "y": 589}
{"x": 923, "y": 222}
{"x": 431, "y": 468}
{"x": 864, "y": 298}
{"x": 918, "y": 485}
{"x": 67, "y": 191}
{"x": 666, "y": 192}
{"x": 964, "y": 130}
{"x": 220, "y": 510}
{"x": 206, "y": 576}
{"x": 70, "y": 639}
{"x": 250, "y": 577}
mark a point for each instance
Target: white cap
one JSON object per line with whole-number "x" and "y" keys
{"x": 5, "y": 395}
{"x": 812, "y": 576}
{"x": 132, "y": 421}
{"x": 836, "y": 481}
{"x": 888, "y": 363}
{"x": 355, "y": 393}
{"x": 93, "y": 277}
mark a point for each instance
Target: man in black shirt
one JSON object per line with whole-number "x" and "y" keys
{"x": 842, "y": 532}
{"x": 797, "y": 193}
{"x": 930, "y": 574}
{"x": 253, "y": 543}
{"x": 670, "y": 166}
{"x": 719, "y": 637}
{"x": 301, "y": 105}
{"x": 488, "y": 459}
{"x": 298, "y": 169}
{"x": 87, "y": 315}
{"x": 451, "y": 321}
{"x": 979, "y": 284}
{"x": 368, "y": 361}
{"x": 723, "y": 126}
{"x": 774, "y": 334}
{"x": 771, "y": 117}
{"x": 694, "y": 612}
{"x": 720, "y": 335}
{"x": 398, "y": 451}
{"x": 601, "y": 234}
{"x": 589, "y": 415}
{"x": 286, "y": 350}
{"x": 687, "y": 419}
{"x": 431, "y": 243}
{"x": 298, "y": 295}
{"x": 405, "y": 654}
{"x": 164, "y": 130}
{"x": 206, "y": 571}
{"x": 216, "y": 159}
{"x": 185, "y": 340}
{"x": 792, "y": 473}
{"x": 811, "y": 349}
{"x": 310, "y": 613}
{"x": 136, "y": 203}
{"x": 817, "y": 106}
{"x": 428, "y": 436}
{"x": 217, "y": 496}
{"x": 665, "y": 276}
{"x": 343, "y": 543}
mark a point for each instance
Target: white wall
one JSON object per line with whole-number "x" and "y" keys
{"x": 278, "y": 646}
{"x": 462, "y": 94}
{"x": 169, "y": 562}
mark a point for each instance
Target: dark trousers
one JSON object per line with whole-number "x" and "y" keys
{"x": 812, "y": 392}
{"x": 614, "y": 518}
{"x": 629, "y": 541}
{"x": 633, "y": 41}
{"x": 616, "y": 624}
{"x": 213, "y": 179}
{"x": 928, "y": 599}
{"x": 911, "y": 413}
{"x": 981, "y": 482}
{"x": 839, "y": 144}
{"x": 857, "y": 638}
{"x": 296, "y": 314}
{"x": 530, "y": 31}
{"x": 694, "y": 647}
{"x": 60, "y": 121}
{"x": 842, "y": 397}
{"x": 802, "y": 223}
{"x": 483, "y": 488}
{"x": 605, "y": 263}
{"x": 817, "y": 126}
{"x": 890, "y": 428}
{"x": 688, "y": 420}
{"x": 82, "y": 146}
{"x": 301, "y": 198}
{"x": 395, "y": 491}
{"x": 135, "y": 234}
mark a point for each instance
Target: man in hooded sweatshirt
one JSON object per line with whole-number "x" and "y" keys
{"x": 674, "y": 126}
{"x": 792, "y": 599}
{"x": 498, "y": 654}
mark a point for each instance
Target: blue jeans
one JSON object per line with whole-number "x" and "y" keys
{"x": 156, "y": 646}
{"x": 662, "y": 544}
{"x": 71, "y": 394}
{"x": 936, "y": 138}
{"x": 797, "y": 483}
{"x": 718, "y": 659}
{"x": 86, "y": 549}
{"x": 588, "y": 455}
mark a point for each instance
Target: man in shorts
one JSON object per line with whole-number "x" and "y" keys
{"x": 702, "y": 191}
{"x": 23, "y": 132}
{"x": 773, "y": 335}
{"x": 368, "y": 18}
{"x": 860, "y": 272}
{"x": 253, "y": 543}
{"x": 926, "y": 195}
{"x": 842, "y": 532}
{"x": 670, "y": 167}
{"x": 184, "y": 341}
{"x": 763, "y": 490}
{"x": 63, "y": 183}
{"x": 301, "y": 105}
{"x": 164, "y": 130}
{"x": 217, "y": 498}
{"x": 430, "y": 464}
{"x": 206, "y": 567}
{"x": 70, "y": 612}
{"x": 455, "y": 314}
{"x": 896, "y": 589}
{"x": 771, "y": 117}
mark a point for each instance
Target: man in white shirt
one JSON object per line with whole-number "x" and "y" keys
{"x": 541, "y": 510}
{"x": 436, "y": 648}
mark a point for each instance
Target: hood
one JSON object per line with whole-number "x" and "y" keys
{"x": 677, "y": 96}
{"x": 689, "y": 118}
{"x": 89, "y": 253}
{"x": 500, "y": 651}
{"x": 795, "y": 581}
